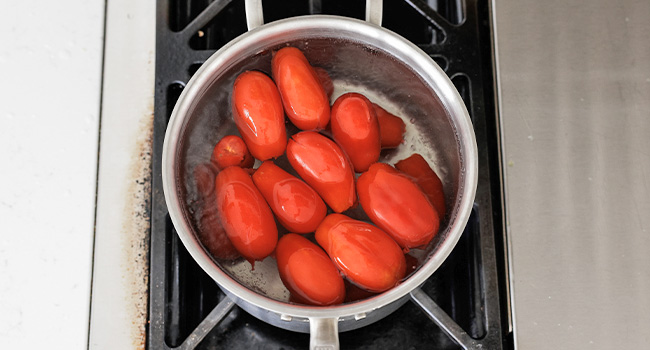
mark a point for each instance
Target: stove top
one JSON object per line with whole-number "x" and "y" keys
{"x": 463, "y": 305}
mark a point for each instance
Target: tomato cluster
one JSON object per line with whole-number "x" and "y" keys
{"x": 311, "y": 182}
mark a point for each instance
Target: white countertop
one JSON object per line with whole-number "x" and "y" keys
{"x": 50, "y": 71}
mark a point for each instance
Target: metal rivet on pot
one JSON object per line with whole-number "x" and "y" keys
{"x": 360, "y": 316}
{"x": 284, "y": 317}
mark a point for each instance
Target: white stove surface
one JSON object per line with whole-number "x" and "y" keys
{"x": 118, "y": 316}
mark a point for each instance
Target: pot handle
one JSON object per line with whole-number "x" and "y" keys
{"x": 324, "y": 333}
{"x": 374, "y": 11}
{"x": 255, "y": 14}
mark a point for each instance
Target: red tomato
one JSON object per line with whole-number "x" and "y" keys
{"x": 204, "y": 175}
{"x": 211, "y": 232}
{"x": 324, "y": 166}
{"x": 214, "y": 236}
{"x": 296, "y": 205}
{"x": 355, "y": 127}
{"x": 366, "y": 255}
{"x": 231, "y": 150}
{"x": 308, "y": 272}
{"x": 418, "y": 168}
{"x": 391, "y": 128}
{"x": 397, "y": 205}
{"x": 245, "y": 216}
{"x": 258, "y": 114}
{"x": 303, "y": 96}
{"x": 325, "y": 81}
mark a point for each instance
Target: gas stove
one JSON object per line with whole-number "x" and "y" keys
{"x": 463, "y": 305}
{"x": 562, "y": 161}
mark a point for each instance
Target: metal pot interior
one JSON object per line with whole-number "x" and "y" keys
{"x": 357, "y": 63}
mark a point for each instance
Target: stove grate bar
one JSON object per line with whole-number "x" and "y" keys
{"x": 209, "y": 322}
{"x": 432, "y": 16}
{"x": 203, "y": 18}
{"x": 442, "y": 319}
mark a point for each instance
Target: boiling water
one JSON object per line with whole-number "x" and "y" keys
{"x": 386, "y": 82}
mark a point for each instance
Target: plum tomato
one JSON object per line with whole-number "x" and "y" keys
{"x": 211, "y": 232}
{"x": 244, "y": 214}
{"x": 391, "y": 128}
{"x": 418, "y": 168}
{"x": 325, "y": 81}
{"x": 366, "y": 255}
{"x": 259, "y": 115}
{"x": 323, "y": 165}
{"x": 204, "y": 175}
{"x": 304, "y": 98}
{"x": 296, "y": 205}
{"x": 308, "y": 272}
{"x": 355, "y": 128}
{"x": 397, "y": 205}
{"x": 231, "y": 150}
{"x": 214, "y": 236}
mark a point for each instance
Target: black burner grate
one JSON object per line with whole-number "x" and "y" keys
{"x": 469, "y": 287}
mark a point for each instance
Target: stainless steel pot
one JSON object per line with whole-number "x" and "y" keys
{"x": 360, "y": 56}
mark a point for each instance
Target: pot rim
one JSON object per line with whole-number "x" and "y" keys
{"x": 267, "y": 35}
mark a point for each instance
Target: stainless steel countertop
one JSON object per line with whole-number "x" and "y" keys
{"x": 574, "y": 79}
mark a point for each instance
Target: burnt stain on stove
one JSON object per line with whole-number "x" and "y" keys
{"x": 135, "y": 228}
